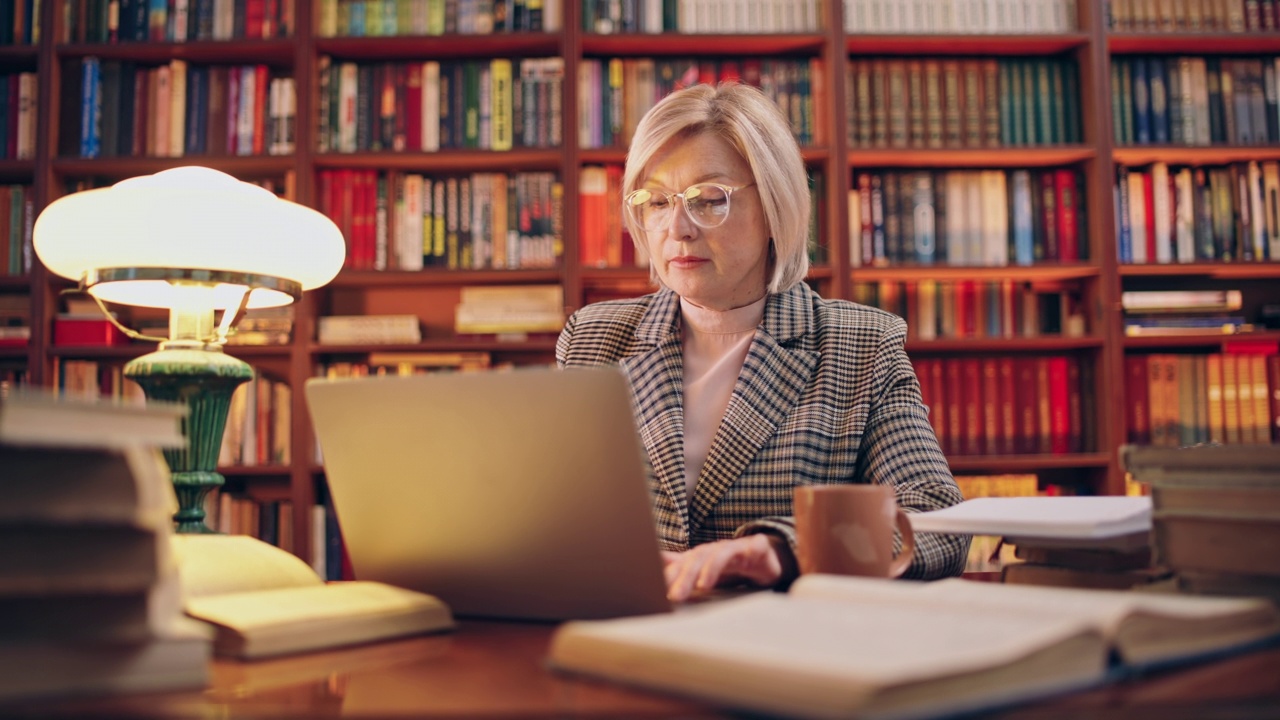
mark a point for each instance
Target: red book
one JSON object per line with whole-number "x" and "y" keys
{"x": 260, "y": 84}
{"x": 955, "y": 407}
{"x": 1075, "y": 407}
{"x": 1059, "y": 405}
{"x": 1273, "y": 386}
{"x": 990, "y": 368}
{"x": 1008, "y": 407}
{"x": 413, "y": 107}
{"x": 1137, "y": 402}
{"x": 971, "y": 379}
{"x": 1068, "y": 238}
{"x": 1149, "y": 202}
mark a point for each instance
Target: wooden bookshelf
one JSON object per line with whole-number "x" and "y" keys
{"x": 1097, "y": 276}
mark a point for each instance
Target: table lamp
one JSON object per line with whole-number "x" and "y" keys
{"x": 194, "y": 241}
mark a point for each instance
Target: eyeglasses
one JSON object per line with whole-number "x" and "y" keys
{"x": 706, "y": 204}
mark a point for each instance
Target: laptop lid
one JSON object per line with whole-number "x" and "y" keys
{"x": 516, "y": 494}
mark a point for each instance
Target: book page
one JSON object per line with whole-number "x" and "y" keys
{"x": 811, "y": 656}
{"x": 1108, "y": 610}
{"x": 220, "y": 564}
{"x": 1053, "y": 517}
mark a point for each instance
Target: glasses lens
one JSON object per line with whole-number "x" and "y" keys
{"x": 708, "y": 204}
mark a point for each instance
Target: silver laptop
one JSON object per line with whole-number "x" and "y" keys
{"x": 516, "y": 494}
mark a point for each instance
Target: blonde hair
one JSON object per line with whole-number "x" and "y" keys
{"x": 752, "y": 124}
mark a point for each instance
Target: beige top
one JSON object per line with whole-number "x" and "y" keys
{"x": 715, "y": 347}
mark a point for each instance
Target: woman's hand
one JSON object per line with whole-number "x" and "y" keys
{"x": 758, "y": 559}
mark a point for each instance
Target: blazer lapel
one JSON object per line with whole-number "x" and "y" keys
{"x": 657, "y": 382}
{"x": 773, "y": 378}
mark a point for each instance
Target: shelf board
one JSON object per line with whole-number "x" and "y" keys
{"x": 14, "y": 351}
{"x": 1026, "y": 463}
{"x": 125, "y": 167}
{"x": 1188, "y": 42}
{"x": 1046, "y": 156}
{"x": 618, "y": 156}
{"x": 445, "y": 160}
{"x": 1198, "y": 341}
{"x": 15, "y": 282}
{"x": 279, "y": 52}
{"x": 1184, "y": 155}
{"x": 1231, "y": 271}
{"x": 1000, "y": 345}
{"x": 426, "y": 47}
{"x": 268, "y": 472}
{"x": 16, "y": 55}
{"x": 539, "y": 345}
{"x": 670, "y": 44}
{"x": 444, "y": 277}
{"x": 1045, "y": 272}
{"x": 105, "y": 352}
{"x": 257, "y": 351}
{"x": 919, "y": 45}
{"x": 17, "y": 171}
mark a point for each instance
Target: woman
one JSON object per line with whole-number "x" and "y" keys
{"x": 746, "y": 383}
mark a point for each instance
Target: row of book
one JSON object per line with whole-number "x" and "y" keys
{"x": 1168, "y": 215}
{"x": 407, "y": 221}
{"x": 259, "y": 422}
{"x": 960, "y": 16}
{"x": 1193, "y": 15}
{"x": 19, "y": 22}
{"x": 1185, "y": 399}
{"x": 1006, "y": 405}
{"x": 112, "y": 21}
{"x": 18, "y": 116}
{"x": 17, "y": 213}
{"x": 383, "y": 18}
{"x": 748, "y": 17}
{"x": 15, "y": 320}
{"x": 426, "y": 106}
{"x": 614, "y": 93}
{"x": 967, "y": 217}
{"x": 977, "y": 308}
{"x": 176, "y": 109}
{"x": 953, "y": 103}
{"x": 270, "y": 521}
{"x": 93, "y": 380}
{"x": 1194, "y": 100}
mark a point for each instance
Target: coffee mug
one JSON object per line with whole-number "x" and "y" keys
{"x": 848, "y": 530}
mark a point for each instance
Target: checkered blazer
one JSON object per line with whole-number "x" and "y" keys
{"x": 826, "y": 395}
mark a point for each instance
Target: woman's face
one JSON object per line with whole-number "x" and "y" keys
{"x": 717, "y": 268}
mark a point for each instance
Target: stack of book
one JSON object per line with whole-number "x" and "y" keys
{"x": 507, "y": 311}
{"x": 1216, "y": 516}
{"x": 1183, "y": 312}
{"x": 89, "y": 596}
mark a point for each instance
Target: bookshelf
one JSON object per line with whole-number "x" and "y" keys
{"x": 1092, "y": 280}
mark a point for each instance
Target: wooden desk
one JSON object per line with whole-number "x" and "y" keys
{"x": 496, "y": 669}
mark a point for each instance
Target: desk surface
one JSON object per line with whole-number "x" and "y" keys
{"x": 496, "y": 669}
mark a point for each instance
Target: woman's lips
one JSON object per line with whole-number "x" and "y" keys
{"x": 686, "y": 262}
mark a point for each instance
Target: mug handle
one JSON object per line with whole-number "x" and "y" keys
{"x": 903, "y": 561}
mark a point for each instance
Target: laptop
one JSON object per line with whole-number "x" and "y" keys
{"x": 517, "y": 494}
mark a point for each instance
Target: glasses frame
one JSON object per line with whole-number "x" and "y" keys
{"x": 729, "y": 190}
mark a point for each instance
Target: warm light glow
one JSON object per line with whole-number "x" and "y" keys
{"x": 190, "y": 218}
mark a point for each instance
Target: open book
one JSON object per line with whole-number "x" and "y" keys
{"x": 839, "y": 646}
{"x": 264, "y": 601}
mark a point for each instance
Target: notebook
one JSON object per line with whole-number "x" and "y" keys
{"x": 516, "y": 494}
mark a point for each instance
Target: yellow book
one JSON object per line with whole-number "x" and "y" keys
{"x": 500, "y": 113}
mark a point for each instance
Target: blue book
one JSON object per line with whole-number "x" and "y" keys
{"x": 1141, "y": 102}
{"x": 90, "y": 108}
{"x": 1124, "y": 233}
{"x": 1023, "y": 228}
{"x": 923, "y": 221}
{"x": 1159, "y": 100}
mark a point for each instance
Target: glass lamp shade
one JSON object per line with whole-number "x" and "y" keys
{"x": 214, "y": 228}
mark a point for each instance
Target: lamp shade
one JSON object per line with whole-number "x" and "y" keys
{"x": 192, "y": 219}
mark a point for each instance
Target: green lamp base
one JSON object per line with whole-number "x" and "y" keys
{"x": 203, "y": 379}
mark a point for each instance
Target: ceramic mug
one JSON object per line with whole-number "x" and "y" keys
{"x": 848, "y": 530}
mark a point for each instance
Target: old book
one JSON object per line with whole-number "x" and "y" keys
{"x": 1068, "y": 518}
{"x": 1028, "y": 573}
{"x": 41, "y": 419}
{"x": 840, "y": 646}
{"x": 263, "y": 601}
